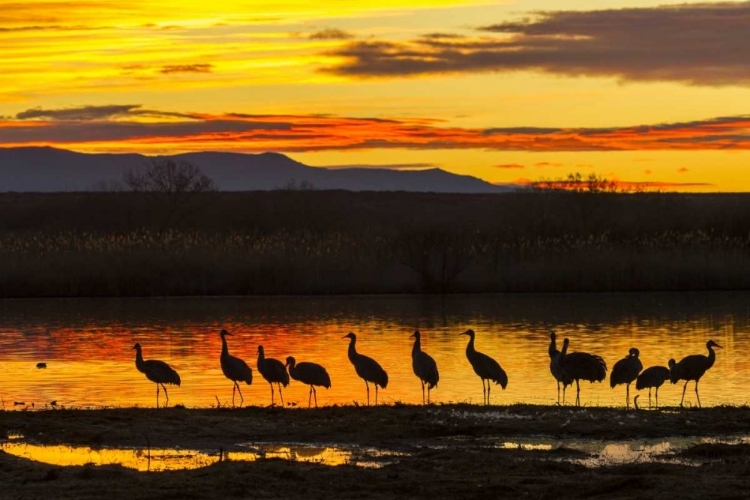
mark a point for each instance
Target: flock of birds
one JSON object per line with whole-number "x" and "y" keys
{"x": 565, "y": 367}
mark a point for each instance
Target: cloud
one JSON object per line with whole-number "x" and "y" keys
{"x": 389, "y": 166}
{"x": 696, "y": 44}
{"x": 80, "y": 113}
{"x": 330, "y": 34}
{"x": 548, "y": 164}
{"x": 683, "y": 170}
{"x": 509, "y": 166}
{"x": 648, "y": 172}
{"x": 142, "y": 129}
{"x": 186, "y": 68}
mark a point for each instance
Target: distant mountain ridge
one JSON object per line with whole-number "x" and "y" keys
{"x": 45, "y": 169}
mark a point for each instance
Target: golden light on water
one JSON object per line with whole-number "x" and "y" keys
{"x": 90, "y": 361}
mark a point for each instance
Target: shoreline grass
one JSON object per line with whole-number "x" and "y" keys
{"x": 336, "y": 242}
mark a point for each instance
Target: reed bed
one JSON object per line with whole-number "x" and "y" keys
{"x": 119, "y": 244}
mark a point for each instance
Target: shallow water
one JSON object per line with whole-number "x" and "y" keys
{"x": 87, "y": 345}
{"x": 163, "y": 459}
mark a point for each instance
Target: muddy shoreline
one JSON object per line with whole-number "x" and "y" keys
{"x": 448, "y": 452}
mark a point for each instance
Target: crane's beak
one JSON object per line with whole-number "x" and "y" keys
{"x": 346, "y": 336}
{"x": 717, "y": 345}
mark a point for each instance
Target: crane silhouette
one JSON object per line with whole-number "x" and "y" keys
{"x": 311, "y": 374}
{"x": 653, "y": 377}
{"x": 274, "y": 372}
{"x": 693, "y": 367}
{"x": 485, "y": 367}
{"x": 581, "y": 366}
{"x": 157, "y": 372}
{"x": 424, "y": 366}
{"x": 367, "y": 368}
{"x": 555, "y": 369}
{"x": 625, "y": 372}
{"x": 234, "y": 368}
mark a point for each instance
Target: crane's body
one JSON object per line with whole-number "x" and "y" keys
{"x": 581, "y": 366}
{"x": 554, "y": 367}
{"x": 424, "y": 366}
{"x": 234, "y": 368}
{"x": 625, "y": 372}
{"x": 367, "y": 368}
{"x": 274, "y": 372}
{"x": 485, "y": 367}
{"x": 157, "y": 372}
{"x": 693, "y": 367}
{"x": 653, "y": 377}
{"x": 308, "y": 373}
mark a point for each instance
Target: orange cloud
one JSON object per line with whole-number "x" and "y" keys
{"x": 510, "y": 166}
{"x": 683, "y": 170}
{"x": 134, "y": 128}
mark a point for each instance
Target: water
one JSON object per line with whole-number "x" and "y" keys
{"x": 87, "y": 345}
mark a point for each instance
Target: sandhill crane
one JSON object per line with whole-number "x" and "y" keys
{"x": 234, "y": 368}
{"x": 581, "y": 366}
{"x": 367, "y": 368}
{"x": 274, "y": 372}
{"x": 653, "y": 377}
{"x": 555, "y": 369}
{"x": 693, "y": 367}
{"x": 424, "y": 366}
{"x": 625, "y": 372}
{"x": 308, "y": 373}
{"x": 157, "y": 372}
{"x": 485, "y": 367}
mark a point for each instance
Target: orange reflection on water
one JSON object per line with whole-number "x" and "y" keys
{"x": 87, "y": 345}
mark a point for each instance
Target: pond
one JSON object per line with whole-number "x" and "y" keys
{"x": 87, "y": 344}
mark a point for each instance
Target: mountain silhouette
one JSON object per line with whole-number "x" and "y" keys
{"x": 45, "y": 169}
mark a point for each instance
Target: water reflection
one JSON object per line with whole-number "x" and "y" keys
{"x": 163, "y": 459}
{"x": 87, "y": 345}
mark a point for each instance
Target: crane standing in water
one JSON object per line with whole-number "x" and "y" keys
{"x": 581, "y": 366}
{"x": 157, "y": 372}
{"x": 367, "y": 368}
{"x": 653, "y": 377}
{"x": 311, "y": 374}
{"x": 234, "y": 368}
{"x": 625, "y": 372}
{"x": 424, "y": 366}
{"x": 693, "y": 367}
{"x": 555, "y": 369}
{"x": 274, "y": 372}
{"x": 485, "y": 367}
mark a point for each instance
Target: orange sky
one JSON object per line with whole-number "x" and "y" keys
{"x": 637, "y": 91}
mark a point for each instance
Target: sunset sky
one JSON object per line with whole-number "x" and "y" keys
{"x": 509, "y": 91}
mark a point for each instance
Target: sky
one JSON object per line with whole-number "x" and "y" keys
{"x": 639, "y": 91}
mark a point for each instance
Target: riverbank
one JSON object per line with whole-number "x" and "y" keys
{"x": 449, "y": 451}
{"x": 336, "y": 242}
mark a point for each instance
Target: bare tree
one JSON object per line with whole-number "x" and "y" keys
{"x": 166, "y": 175}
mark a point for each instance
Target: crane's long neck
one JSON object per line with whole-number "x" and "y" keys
{"x": 352, "y": 350}
{"x": 553, "y": 347}
{"x": 417, "y": 346}
{"x": 711, "y": 356}
{"x": 139, "y": 364}
{"x": 561, "y": 354}
{"x": 470, "y": 346}
{"x": 224, "y": 348}
{"x": 261, "y": 357}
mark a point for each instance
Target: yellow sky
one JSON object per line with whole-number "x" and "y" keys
{"x": 556, "y": 91}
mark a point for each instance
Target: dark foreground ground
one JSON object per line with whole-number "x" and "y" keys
{"x": 449, "y": 453}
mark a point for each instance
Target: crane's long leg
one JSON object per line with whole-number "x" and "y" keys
{"x": 368, "y": 392}
{"x": 376, "y": 394}
{"x": 272, "y": 398}
{"x": 489, "y": 385}
{"x": 242, "y": 400}
{"x": 627, "y": 396}
{"x": 657, "y": 398}
{"x": 281, "y": 395}
{"x": 234, "y": 388}
{"x": 422, "y": 391}
{"x": 157, "y": 395}
{"x": 309, "y": 396}
{"x": 564, "y": 388}
{"x": 683, "y": 393}
{"x": 484, "y": 394}
{"x": 558, "y": 393}
{"x": 649, "y": 397}
{"x": 315, "y": 393}
{"x": 696, "y": 394}
{"x": 166, "y": 403}
{"x": 578, "y": 393}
